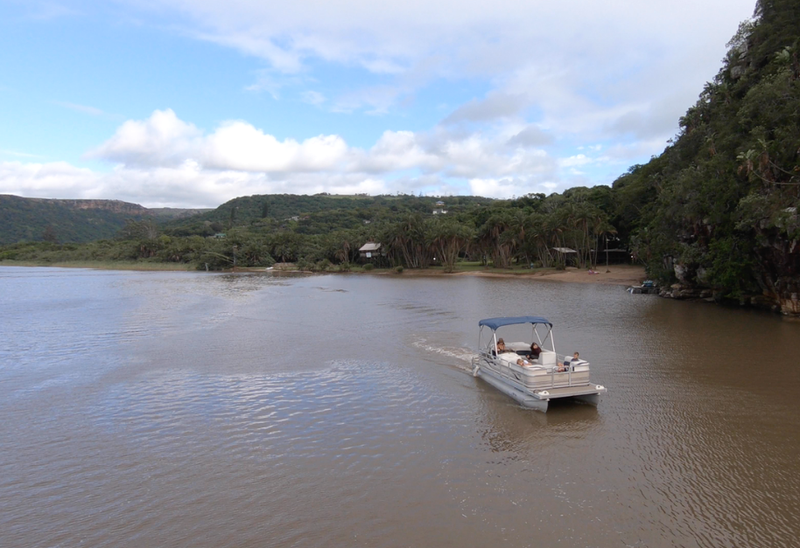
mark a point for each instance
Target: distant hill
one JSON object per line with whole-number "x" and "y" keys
{"x": 81, "y": 221}
{"x": 317, "y": 214}
{"x": 68, "y": 221}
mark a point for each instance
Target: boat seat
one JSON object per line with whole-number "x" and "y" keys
{"x": 509, "y": 357}
{"x": 518, "y": 346}
{"x": 535, "y": 370}
{"x": 548, "y": 358}
{"x": 579, "y": 365}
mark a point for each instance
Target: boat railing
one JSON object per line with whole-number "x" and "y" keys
{"x": 574, "y": 377}
{"x": 539, "y": 376}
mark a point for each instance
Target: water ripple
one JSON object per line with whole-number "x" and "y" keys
{"x": 163, "y": 409}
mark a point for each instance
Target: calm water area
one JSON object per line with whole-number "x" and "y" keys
{"x": 178, "y": 409}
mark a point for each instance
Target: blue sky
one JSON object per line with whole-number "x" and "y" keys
{"x": 190, "y": 103}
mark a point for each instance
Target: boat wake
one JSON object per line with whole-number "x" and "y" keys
{"x": 458, "y": 357}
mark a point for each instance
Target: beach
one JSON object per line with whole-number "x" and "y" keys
{"x": 626, "y": 275}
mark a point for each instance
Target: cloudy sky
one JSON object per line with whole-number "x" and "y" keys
{"x": 189, "y": 103}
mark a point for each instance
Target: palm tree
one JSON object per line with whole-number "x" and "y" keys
{"x": 408, "y": 241}
{"x": 490, "y": 237}
{"x": 449, "y": 238}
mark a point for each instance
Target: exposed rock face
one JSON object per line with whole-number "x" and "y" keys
{"x": 681, "y": 273}
{"x": 783, "y": 295}
{"x": 684, "y": 291}
{"x": 790, "y": 306}
{"x": 788, "y": 295}
{"x": 117, "y": 206}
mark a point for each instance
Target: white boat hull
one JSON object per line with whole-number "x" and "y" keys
{"x": 527, "y": 400}
{"x": 536, "y": 391}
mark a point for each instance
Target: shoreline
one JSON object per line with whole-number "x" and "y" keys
{"x": 623, "y": 275}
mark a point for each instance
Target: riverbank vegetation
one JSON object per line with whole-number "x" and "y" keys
{"x": 719, "y": 208}
{"x": 244, "y": 232}
{"x": 715, "y": 214}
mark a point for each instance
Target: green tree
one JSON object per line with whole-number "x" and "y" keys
{"x": 450, "y": 238}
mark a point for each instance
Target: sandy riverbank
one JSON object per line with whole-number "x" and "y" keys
{"x": 618, "y": 275}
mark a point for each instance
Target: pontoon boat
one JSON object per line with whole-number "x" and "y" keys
{"x": 532, "y": 381}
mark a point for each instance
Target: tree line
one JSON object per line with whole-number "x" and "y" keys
{"x": 499, "y": 233}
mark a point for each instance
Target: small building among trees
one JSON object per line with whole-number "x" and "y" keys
{"x": 566, "y": 255}
{"x": 370, "y": 251}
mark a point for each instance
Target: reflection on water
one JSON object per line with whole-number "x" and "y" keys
{"x": 174, "y": 409}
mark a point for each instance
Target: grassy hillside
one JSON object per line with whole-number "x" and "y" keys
{"x": 71, "y": 221}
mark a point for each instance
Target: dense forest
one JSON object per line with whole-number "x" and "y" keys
{"x": 718, "y": 209}
{"x": 715, "y": 215}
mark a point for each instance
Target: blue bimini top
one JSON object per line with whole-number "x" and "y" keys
{"x": 495, "y": 323}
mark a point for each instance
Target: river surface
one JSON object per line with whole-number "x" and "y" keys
{"x": 202, "y": 410}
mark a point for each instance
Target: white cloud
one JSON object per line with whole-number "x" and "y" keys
{"x": 508, "y": 187}
{"x": 238, "y": 145}
{"x": 469, "y": 32}
{"x": 559, "y": 51}
{"x": 185, "y": 185}
{"x": 531, "y": 136}
{"x": 577, "y": 160}
{"x": 397, "y": 151}
{"x": 162, "y": 139}
{"x": 47, "y": 180}
{"x": 164, "y": 160}
{"x": 496, "y": 105}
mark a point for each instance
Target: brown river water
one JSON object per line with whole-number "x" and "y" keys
{"x": 143, "y": 409}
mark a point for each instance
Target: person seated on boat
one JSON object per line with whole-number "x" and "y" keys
{"x": 576, "y": 357}
{"x": 501, "y": 347}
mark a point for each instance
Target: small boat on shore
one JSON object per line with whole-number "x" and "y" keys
{"x": 531, "y": 380}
